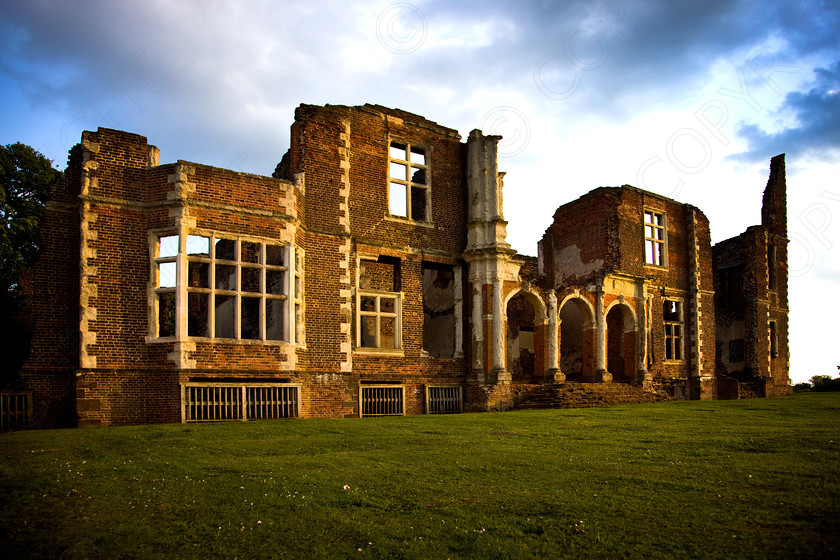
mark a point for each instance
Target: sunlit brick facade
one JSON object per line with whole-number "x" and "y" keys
{"x": 371, "y": 276}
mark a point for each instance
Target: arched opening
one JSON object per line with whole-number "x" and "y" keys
{"x": 577, "y": 331}
{"x": 621, "y": 344}
{"x": 526, "y": 338}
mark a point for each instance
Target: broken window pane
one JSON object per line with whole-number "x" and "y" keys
{"x": 274, "y": 255}
{"x": 225, "y": 311}
{"x": 418, "y": 155}
{"x": 387, "y": 305}
{"x": 418, "y": 176}
{"x": 275, "y": 282}
{"x": 225, "y": 249}
{"x": 250, "y": 252}
{"x": 368, "y": 332}
{"x": 368, "y": 303}
{"x": 398, "y": 151}
{"x": 197, "y": 314}
{"x": 274, "y": 309}
{"x": 250, "y": 318}
{"x": 168, "y": 246}
{"x": 198, "y": 246}
{"x": 225, "y": 277}
{"x": 387, "y": 332}
{"x": 671, "y": 310}
{"x": 398, "y": 202}
{"x": 250, "y": 280}
{"x": 166, "y": 275}
{"x": 198, "y": 275}
{"x": 166, "y": 314}
{"x": 418, "y": 204}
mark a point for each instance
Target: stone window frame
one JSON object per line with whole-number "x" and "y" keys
{"x": 674, "y": 331}
{"x": 378, "y": 315}
{"x": 377, "y": 311}
{"x": 176, "y": 289}
{"x": 653, "y": 241}
{"x": 407, "y": 180}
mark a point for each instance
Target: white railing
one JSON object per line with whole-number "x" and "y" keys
{"x": 15, "y": 409}
{"x": 444, "y": 399}
{"x": 382, "y": 400}
{"x": 218, "y": 402}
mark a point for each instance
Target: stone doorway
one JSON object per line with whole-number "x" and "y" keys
{"x": 577, "y": 340}
{"x": 621, "y": 344}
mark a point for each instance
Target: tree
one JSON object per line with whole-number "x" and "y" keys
{"x": 25, "y": 180}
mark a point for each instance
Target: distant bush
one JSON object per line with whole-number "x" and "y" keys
{"x": 825, "y": 383}
{"x": 802, "y": 387}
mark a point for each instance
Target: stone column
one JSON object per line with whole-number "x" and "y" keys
{"x": 554, "y": 372}
{"x": 601, "y": 373}
{"x": 477, "y": 354}
{"x": 643, "y": 377}
{"x": 498, "y": 339}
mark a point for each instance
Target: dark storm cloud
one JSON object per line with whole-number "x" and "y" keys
{"x": 197, "y": 72}
{"x": 817, "y": 113}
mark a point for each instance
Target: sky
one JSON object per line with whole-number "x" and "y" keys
{"x": 686, "y": 99}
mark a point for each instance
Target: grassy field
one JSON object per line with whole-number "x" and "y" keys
{"x": 751, "y": 479}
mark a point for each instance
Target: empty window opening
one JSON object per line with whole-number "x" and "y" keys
{"x": 655, "y": 243}
{"x": 439, "y": 310}
{"x": 520, "y": 338}
{"x": 736, "y": 350}
{"x": 409, "y": 193}
{"x": 774, "y": 340}
{"x": 771, "y": 267}
{"x": 673, "y": 318}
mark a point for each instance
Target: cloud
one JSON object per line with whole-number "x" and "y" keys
{"x": 817, "y": 114}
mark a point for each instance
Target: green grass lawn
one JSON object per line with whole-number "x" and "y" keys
{"x": 758, "y": 478}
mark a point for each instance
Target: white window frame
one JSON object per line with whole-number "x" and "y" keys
{"x": 655, "y": 235}
{"x": 379, "y": 314}
{"x": 674, "y": 331}
{"x": 292, "y": 284}
{"x": 406, "y": 180}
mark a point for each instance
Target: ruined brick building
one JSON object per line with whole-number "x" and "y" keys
{"x": 373, "y": 277}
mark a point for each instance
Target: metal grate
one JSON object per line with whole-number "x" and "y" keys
{"x": 15, "y": 409}
{"x": 382, "y": 400}
{"x": 444, "y": 399}
{"x": 272, "y": 402}
{"x": 215, "y": 402}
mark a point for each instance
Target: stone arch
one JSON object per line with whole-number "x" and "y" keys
{"x": 525, "y": 341}
{"x": 621, "y": 342}
{"x": 577, "y": 338}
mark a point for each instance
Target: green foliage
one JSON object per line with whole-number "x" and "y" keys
{"x": 25, "y": 180}
{"x": 825, "y": 383}
{"x": 700, "y": 479}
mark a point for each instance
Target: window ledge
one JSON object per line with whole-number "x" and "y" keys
{"x": 379, "y": 351}
{"x": 400, "y": 219}
{"x": 232, "y": 341}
